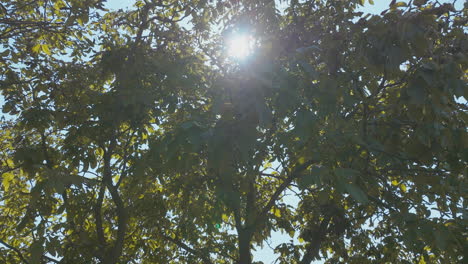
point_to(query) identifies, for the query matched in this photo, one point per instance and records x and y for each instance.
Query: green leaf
(441, 239)
(420, 2)
(311, 177)
(416, 91)
(357, 193)
(399, 4)
(308, 69)
(346, 173)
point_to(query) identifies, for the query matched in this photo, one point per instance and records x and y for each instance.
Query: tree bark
(312, 250)
(245, 239)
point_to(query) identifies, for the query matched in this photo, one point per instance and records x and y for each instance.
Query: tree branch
(116, 250)
(188, 249)
(293, 175)
(313, 247)
(114, 253)
(98, 216)
(20, 255)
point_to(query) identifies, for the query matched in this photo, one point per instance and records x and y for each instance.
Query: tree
(129, 137)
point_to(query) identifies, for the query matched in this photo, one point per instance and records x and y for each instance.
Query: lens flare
(240, 46)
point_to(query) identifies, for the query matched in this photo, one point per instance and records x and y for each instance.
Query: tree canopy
(130, 136)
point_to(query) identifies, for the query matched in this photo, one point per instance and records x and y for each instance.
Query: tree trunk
(244, 247)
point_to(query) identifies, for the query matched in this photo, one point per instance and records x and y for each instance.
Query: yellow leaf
(403, 187)
(448, 224)
(59, 4)
(139, 4)
(277, 212)
(6, 180)
(99, 152)
(36, 48)
(225, 218)
(422, 261)
(45, 49)
(371, 2)
(10, 163)
(395, 183)
(301, 240)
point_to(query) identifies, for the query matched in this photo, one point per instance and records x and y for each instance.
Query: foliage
(129, 137)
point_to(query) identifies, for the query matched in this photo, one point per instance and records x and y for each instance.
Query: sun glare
(240, 46)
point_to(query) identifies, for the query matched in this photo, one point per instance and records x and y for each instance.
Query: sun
(240, 46)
